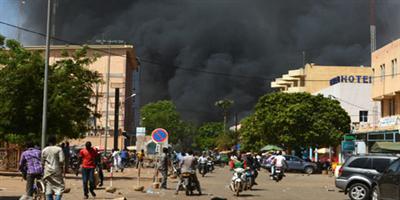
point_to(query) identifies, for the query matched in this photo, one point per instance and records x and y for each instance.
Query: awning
(271, 148)
(386, 147)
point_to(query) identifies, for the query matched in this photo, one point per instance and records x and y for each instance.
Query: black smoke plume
(250, 38)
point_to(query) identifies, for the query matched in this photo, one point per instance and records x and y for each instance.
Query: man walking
(163, 168)
(67, 156)
(88, 156)
(30, 165)
(53, 162)
(140, 158)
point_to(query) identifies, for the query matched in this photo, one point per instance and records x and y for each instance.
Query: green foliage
(208, 133)
(295, 120)
(21, 93)
(163, 114)
(224, 104)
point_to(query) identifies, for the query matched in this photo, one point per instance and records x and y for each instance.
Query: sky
(8, 13)
(207, 50)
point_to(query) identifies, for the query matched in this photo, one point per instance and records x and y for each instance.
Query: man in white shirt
(53, 162)
(278, 162)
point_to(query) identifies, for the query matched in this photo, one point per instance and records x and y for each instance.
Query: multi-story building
(386, 91)
(313, 78)
(350, 85)
(123, 64)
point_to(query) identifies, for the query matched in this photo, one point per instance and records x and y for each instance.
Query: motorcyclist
(278, 161)
(253, 165)
(188, 164)
(203, 161)
(236, 162)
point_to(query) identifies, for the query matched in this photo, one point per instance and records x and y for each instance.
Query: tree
(296, 120)
(208, 134)
(224, 105)
(163, 114)
(21, 93)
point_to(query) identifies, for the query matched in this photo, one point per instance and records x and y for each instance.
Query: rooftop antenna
(372, 26)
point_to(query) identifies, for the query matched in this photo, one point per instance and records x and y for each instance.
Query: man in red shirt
(88, 156)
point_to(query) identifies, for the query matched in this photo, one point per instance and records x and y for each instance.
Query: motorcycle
(210, 166)
(203, 169)
(278, 174)
(239, 181)
(189, 183)
(74, 164)
(176, 171)
(250, 178)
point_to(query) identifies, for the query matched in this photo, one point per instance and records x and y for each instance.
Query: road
(294, 186)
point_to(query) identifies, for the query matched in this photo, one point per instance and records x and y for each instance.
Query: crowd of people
(52, 163)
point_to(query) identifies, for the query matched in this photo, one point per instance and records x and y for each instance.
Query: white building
(355, 99)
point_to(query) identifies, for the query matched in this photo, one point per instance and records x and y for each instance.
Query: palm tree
(224, 105)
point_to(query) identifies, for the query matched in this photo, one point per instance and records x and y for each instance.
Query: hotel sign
(351, 79)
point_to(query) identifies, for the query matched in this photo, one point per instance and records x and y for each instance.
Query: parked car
(294, 163)
(387, 185)
(356, 176)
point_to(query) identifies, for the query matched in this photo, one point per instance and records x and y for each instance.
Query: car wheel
(375, 193)
(359, 191)
(309, 170)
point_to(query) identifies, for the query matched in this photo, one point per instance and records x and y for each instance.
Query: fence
(9, 158)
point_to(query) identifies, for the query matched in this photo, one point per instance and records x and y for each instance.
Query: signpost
(159, 135)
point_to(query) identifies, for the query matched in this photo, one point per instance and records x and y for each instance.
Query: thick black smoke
(253, 38)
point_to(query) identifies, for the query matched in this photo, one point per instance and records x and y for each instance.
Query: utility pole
(95, 109)
(53, 17)
(46, 71)
(372, 29)
(304, 58)
(116, 118)
(21, 7)
(107, 95)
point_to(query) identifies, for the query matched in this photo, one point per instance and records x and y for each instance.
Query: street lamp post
(46, 69)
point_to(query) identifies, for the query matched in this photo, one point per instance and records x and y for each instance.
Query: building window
(302, 82)
(383, 72)
(363, 116)
(394, 67)
(392, 107)
(373, 75)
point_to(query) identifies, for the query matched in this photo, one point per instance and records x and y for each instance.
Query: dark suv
(387, 185)
(356, 175)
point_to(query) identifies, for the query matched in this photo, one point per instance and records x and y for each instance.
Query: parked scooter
(189, 183)
(239, 181)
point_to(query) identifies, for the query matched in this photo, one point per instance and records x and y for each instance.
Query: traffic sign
(159, 135)
(349, 137)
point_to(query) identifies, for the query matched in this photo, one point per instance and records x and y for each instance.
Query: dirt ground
(294, 186)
